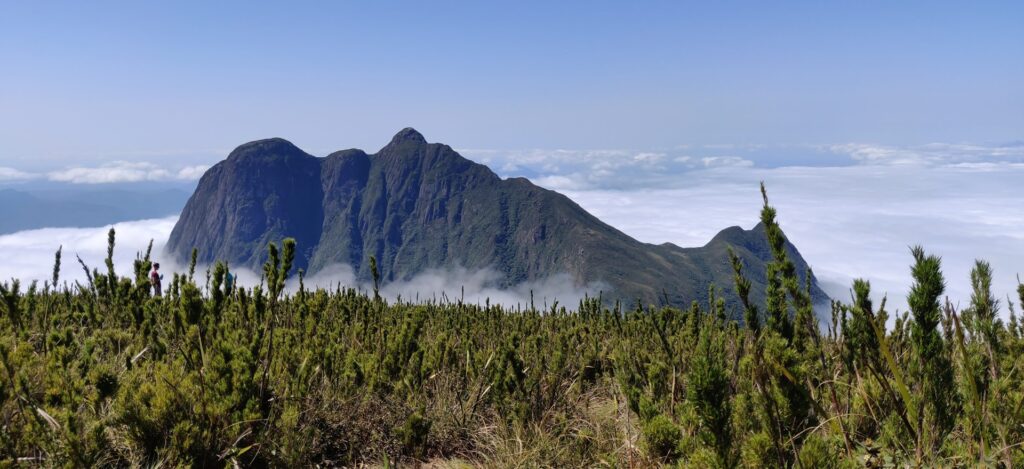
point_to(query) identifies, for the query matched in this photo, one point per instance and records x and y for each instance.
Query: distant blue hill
(73, 206)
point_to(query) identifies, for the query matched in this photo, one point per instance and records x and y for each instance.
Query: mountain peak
(407, 134)
(265, 147)
(267, 143)
(416, 207)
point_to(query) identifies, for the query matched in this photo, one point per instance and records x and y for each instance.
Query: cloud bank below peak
(852, 209)
(848, 222)
(933, 154)
(626, 169)
(108, 173)
(31, 258)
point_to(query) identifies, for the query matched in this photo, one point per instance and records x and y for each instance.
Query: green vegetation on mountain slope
(103, 374)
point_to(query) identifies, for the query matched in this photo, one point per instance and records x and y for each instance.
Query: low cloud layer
(31, 257)
(470, 286)
(633, 169)
(11, 174)
(932, 154)
(114, 172)
(848, 222)
(852, 209)
(125, 171)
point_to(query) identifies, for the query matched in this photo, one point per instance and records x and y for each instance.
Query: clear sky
(88, 82)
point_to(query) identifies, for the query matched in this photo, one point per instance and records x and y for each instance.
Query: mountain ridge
(416, 205)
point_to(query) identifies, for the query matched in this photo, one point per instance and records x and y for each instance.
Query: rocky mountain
(416, 205)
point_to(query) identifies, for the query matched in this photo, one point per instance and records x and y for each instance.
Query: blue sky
(92, 82)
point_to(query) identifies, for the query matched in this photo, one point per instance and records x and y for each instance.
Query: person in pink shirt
(154, 278)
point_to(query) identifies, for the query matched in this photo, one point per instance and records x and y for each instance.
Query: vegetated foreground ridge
(104, 374)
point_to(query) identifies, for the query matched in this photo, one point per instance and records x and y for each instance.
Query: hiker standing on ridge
(154, 278)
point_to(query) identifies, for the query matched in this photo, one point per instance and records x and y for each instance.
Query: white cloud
(192, 173)
(735, 146)
(31, 255)
(631, 169)
(649, 158)
(930, 154)
(576, 169)
(479, 286)
(11, 174)
(119, 171)
(558, 183)
(114, 172)
(725, 162)
(873, 154)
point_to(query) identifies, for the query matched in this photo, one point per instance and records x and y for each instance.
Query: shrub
(414, 434)
(817, 452)
(105, 380)
(663, 438)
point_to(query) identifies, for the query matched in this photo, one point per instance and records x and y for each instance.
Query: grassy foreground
(103, 374)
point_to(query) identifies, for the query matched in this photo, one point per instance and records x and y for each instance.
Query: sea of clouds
(855, 215)
(853, 210)
(30, 255)
(852, 222)
(118, 171)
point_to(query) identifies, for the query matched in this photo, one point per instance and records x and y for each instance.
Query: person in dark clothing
(154, 278)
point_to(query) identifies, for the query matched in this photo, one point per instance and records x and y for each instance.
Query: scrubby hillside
(104, 374)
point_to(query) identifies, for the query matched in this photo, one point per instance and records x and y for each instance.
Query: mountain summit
(408, 134)
(416, 206)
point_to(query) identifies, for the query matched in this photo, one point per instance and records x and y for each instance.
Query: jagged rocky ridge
(416, 206)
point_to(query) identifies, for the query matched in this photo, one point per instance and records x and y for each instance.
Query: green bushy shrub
(662, 438)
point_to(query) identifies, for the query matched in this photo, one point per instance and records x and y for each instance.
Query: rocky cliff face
(416, 205)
